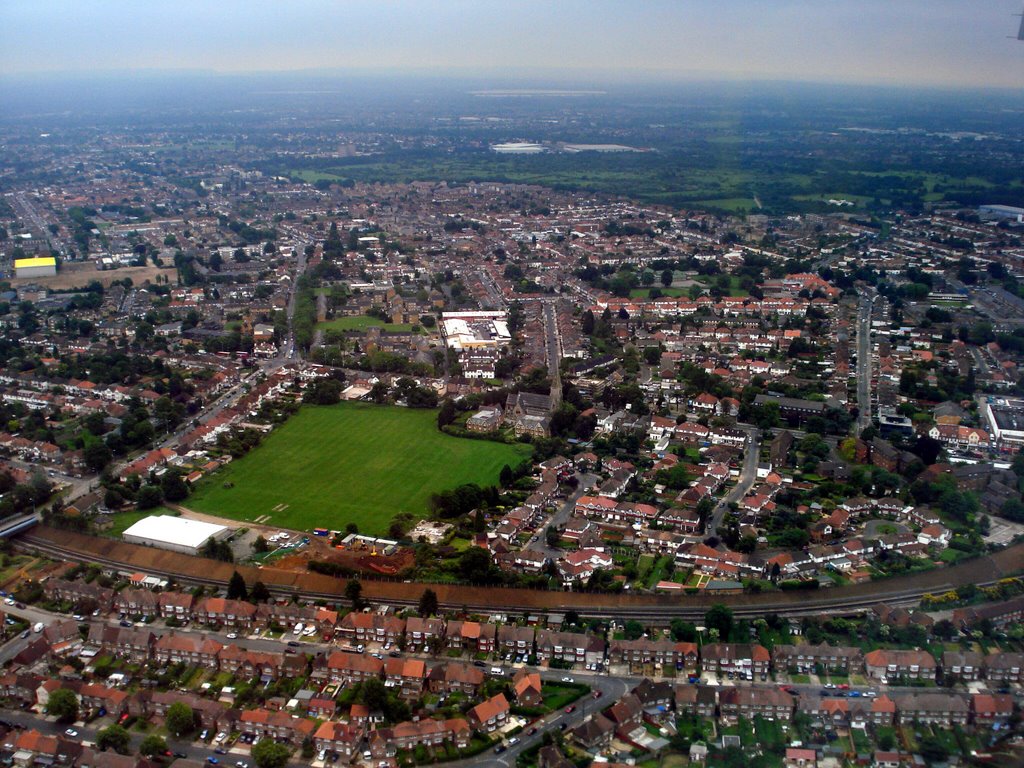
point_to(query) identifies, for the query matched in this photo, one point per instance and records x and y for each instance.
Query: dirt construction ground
(80, 274)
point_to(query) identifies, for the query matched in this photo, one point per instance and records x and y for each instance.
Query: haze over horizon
(945, 43)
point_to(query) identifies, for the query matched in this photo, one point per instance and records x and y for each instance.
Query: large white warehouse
(37, 266)
(174, 533)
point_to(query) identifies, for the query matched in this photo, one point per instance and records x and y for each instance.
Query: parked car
(570, 709)
(568, 679)
(71, 732)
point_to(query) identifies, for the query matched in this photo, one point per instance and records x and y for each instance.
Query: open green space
(361, 323)
(645, 293)
(350, 463)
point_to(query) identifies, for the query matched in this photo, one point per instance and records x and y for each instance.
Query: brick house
(942, 709)
(570, 647)
(769, 703)
(962, 665)
(515, 640)
(803, 658)
(647, 651)
(188, 649)
(421, 634)
(739, 658)
(342, 666)
(490, 715)
(343, 738)
(175, 605)
(137, 602)
(228, 613)
(1004, 667)
(405, 675)
(456, 677)
(471, 636)
(891, 664)
(526, 687)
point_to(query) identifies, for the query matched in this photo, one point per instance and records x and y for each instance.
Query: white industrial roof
(174, 530)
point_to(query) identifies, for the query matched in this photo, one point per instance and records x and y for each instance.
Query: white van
(498, 671)
(39, 627)
(298, 629)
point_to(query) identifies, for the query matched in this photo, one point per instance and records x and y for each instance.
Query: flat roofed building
(174, 533)
(39, 266)
(475, 330)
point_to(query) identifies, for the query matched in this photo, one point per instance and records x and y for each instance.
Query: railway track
(183, 569)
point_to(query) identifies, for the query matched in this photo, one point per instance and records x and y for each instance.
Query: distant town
(306, 468)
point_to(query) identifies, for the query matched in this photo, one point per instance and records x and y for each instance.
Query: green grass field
(361, 323)
(350, 463)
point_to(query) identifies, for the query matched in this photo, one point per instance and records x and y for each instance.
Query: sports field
(350, 463)
(361, 323)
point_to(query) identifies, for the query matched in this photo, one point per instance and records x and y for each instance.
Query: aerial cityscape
(382, 387)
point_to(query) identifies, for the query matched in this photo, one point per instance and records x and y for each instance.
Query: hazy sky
(896, 42)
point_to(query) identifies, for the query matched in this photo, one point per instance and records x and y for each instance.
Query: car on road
(513, 741)
(181, 755)
(568, 679)
(598, 694)
(479, 663)
(570, 709)
(125, 623)
(25, 634)
(232, 635)
(293, 643)
(220, 751)
(71, 732)
(499, 749)
(9, 601)
(242, 764)
(562, 726)
(532, 731)
(20, 605)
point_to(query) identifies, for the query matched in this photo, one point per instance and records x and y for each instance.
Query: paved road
(748, 474)
(864, 362)
(562, 515)
(87, 734)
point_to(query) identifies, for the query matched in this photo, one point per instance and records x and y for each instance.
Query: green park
(360, 463)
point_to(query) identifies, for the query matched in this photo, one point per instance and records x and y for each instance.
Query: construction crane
(1020, 32)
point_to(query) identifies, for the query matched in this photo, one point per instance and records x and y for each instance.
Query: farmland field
(349, 463)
